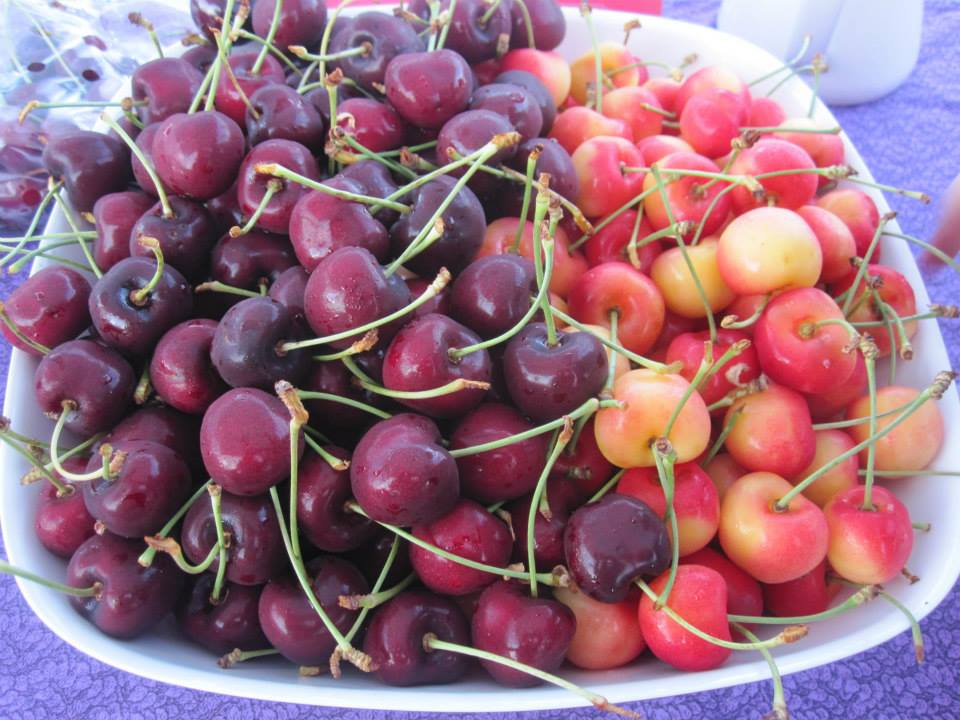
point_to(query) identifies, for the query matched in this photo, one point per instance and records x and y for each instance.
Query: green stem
(68, 406)
(732, 322)
(273, 49)
(863, 595)
(285, 173)
(217, 286)
(92, 591)
(862, 268)
(343, 400)
(140, 297)
(68, 215)
(214, 491)
(444, 31)
(273, 187)
(215, 68)
(52, 189)
(587, 14)
(375, 590)
(268, 41)
(381, 158)
(62, 489)
(869, 358)
(538, 495)
(527, 192)
(607, 486)
(665, 458)
(147, 164)
(527, 22)
(146, 558)
(722, 437)
(19, 334)
(779, 709)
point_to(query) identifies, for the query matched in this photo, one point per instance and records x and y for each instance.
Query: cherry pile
(398, 340)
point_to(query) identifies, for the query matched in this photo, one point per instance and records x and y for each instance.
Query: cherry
(744, 594)
(321, 223)
(440, 303)
(228, 99)
(250, 259)
(858, 212)
(181, 371)
(62, 522)
(167, 85)
(376, 181)
(292, 625)
(428, 88)
(824, 148)
(830, 444)
(613, 56)
(288, 289)
(136, 302)
(301, 22)
(771, 155)
(676, 282)
(836, 242)
(387, 35)
(475, 26)
(371, 557)
(255, 553)
(637, 106)
(95, 379)
(131, 599)
(467, 531)
(225, 210)
(322, 492)
(806, 595)
(724, 471)
(250, 457)
(207, 15)
(185, 238)
(347, 289)
(549, 67)
(90, 164)
(514, 102)
(48, 308)
(506, 472)
(198, 155)
(334, 379)
(688, 348)
(394, 640)
(711, 120)
(688, 196)
(284, 114)
(563, 496)
(549, 24)
(534, 631)
(201, 57)
(608, 634)
(656, 147)
(152, 482)
(374, 124)
(246, 343)
(115, 215)
(610, 543)
(583, 463)
(712, 76)
(577, 124)
(145, 143)
(666, 89)
(401, 474)
(463, 221)
(604, 187)
(466, 133)
(533, 91)
(164, 426)
(549, 380)
(232, 623)
(418, 358)
(913, 444)
(894, 290)
(699, 596)
(766, 112)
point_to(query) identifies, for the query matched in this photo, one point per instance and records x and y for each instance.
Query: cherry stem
(531, 167)
(68, 406)
(125, 104)
(722, 437)
(538, 223)
(52, 188)
(732, 322)
(612, 356)
(587, 13)
(538, 496)
(325, 38)
(449, 388)
(301, 52)
(377, 597)
(271, 48)
(779, 709)
(912, 473)
(41, 251)
(217, 286)
(588, 408)
(338, 134)
(421, 180)
(545, 578)
(834, 130)
(357, 658)
(298, 418)
(147, 164)
(221, 57)
(865, 263)
(62, 489)
(273, 187)
(92, 591)
(285, 173)
(146, 558)
(819, 67)
(432, 290)
(5, 429)
(935, 391)
(916, 633)
(864, 594)
(794, 71)
(338, 464)
(71, 221)
(804, 46)
(350, 402)
(172, 548)
(238, 656)
(445, 30)
(136, 18)
(375, 591)
(788, 635)
(527, 22)
(932, 249)
(141, 296)
(636, 200)
(82, 447)
(633, 245)
(364, 344)
(665, 457)
(19, 334)
(268, 41)
(607, 486)
(870, 360)
(434, 233)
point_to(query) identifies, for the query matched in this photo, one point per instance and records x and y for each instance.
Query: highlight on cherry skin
(423, 349)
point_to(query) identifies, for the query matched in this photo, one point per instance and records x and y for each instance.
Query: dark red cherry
(185, 238)
(394, 640)
(401, 474)
(292, 625)
(583, 463)
(132, 599)
(252, 186)
(98, 379)
(133, 324)
(376, 181)
(181, 371)
(439, 303)
(288, 290)
(201, 57)
(466, 133)
(90, 164)
(49, 307)
(256, 551)
(197, 156)
(230, 624)
(162, 425)
(348, 289)
(249, 457)
(247, 260)
(513, 102)
(225, 210)
(612, 542)
(246, 345)
(534, 631)
(553, 160)
(546, 381)
(284, 114)
(562, 497)
(418, 359)
(321, 223)
(228, 100)
(533, 85)
(374, 124)
(469, 35)
(549, 25)
(429, 88)
(145, 143)
(62, 523)
(115, 215)
(301, 22)
(151, 485)
(168, 85)
(464, 224)
(468, 531)
(334, 379)
(493, 293)
(321, 495)
(506, 472)
(388, 37)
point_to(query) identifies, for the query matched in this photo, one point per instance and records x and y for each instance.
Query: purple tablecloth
(908, 139)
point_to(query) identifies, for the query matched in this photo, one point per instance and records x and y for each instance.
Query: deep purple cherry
(468, 132)
(145, 143)
(225, 209)
(197, 156)
(374, 124)
(376, 181)
(301, 22)
(252, 186)
(513, 102)
(549, 25)
(387, 35)
(562, 497)
(493, 293)
(394, 640)
(284, 114)
(289, 289)
(49, 308)
(201, 57)
(114, 217)
(553, 160)
(247, 260)
(533, 85)
(168, 85)
(321, 495)
(90, 164)
(132, 599)
(429, 88)
(233, 623)
(228, 99)
(334, 379)
(185, 238)
(439, 303)
(371, 557)
(162, 425)
(181, 370)
(475, 27)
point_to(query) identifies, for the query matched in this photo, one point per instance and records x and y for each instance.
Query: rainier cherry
(913, 444)
(830, 444)
(608, 634)
(689, 197)
(677, 284)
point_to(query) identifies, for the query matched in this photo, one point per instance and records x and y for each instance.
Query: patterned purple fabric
(908, 139)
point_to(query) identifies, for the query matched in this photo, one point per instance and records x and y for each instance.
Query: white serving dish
(164, 656)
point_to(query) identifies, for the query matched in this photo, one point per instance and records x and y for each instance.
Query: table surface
(908, 140)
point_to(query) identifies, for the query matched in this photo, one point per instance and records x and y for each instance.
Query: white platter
(164, 656)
